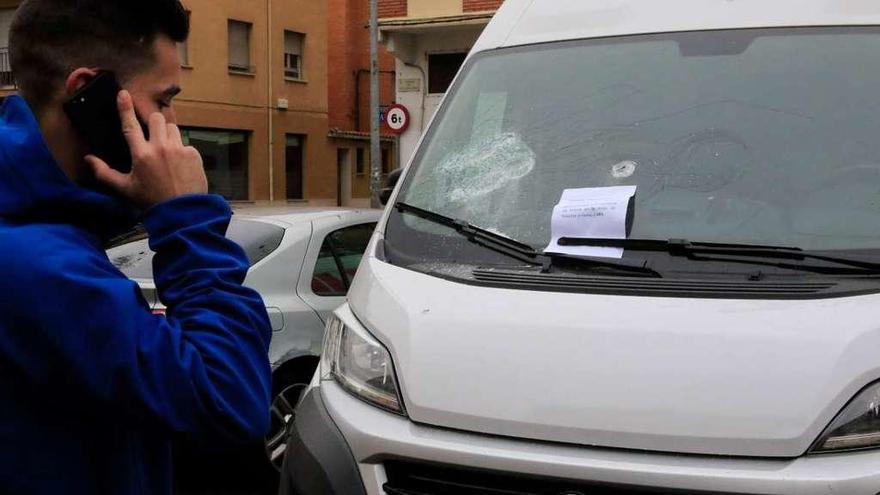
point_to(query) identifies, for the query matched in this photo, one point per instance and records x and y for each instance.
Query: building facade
(255, 98)
(429, 40)
(348, 58)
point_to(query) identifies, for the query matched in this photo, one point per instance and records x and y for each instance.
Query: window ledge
(244, 73)
(295, 80)
(187, 66)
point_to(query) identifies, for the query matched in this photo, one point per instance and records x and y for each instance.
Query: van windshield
(767, 137)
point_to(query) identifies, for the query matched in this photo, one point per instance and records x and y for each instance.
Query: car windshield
(258, 239)
(767, 136)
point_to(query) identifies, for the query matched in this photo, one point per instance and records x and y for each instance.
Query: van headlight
(361, 365)
(857, 427)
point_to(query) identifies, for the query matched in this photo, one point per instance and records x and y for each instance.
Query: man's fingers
(107, 176)
(158, 129)
(174, 136)
(130, 125)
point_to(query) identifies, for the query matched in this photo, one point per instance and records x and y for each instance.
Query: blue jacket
(92, 385)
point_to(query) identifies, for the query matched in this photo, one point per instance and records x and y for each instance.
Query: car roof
(296, 215)
(524, 22)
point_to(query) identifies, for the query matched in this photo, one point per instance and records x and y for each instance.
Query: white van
(638, 250)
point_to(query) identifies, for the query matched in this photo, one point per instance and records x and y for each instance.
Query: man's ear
(77, 79)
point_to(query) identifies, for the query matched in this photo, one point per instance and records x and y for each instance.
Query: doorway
(343, 181)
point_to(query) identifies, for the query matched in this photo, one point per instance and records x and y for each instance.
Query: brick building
(254, 97)
(429, 39)
(348, 57)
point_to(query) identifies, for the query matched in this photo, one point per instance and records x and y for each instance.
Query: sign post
(375, 145)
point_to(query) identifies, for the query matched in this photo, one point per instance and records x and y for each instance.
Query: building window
(360, 162)
(6, 78)
(293, 55)
(6, 16)
(225, 155)
(183, 53)
(442, 68)
(240, 46)
(183, 47)
(386, 161)
(294, 160)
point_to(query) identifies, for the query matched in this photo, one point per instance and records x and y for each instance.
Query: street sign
(409, 85)
(397, 119)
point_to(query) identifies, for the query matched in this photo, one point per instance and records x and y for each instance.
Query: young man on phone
(92, 385)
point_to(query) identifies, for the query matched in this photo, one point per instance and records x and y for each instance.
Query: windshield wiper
(705, 251)
(516, 249)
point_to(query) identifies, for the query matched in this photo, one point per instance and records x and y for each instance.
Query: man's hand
(162, 168)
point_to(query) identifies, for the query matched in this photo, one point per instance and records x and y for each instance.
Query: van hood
(698, 376)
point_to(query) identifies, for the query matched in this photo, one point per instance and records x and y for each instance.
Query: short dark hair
(51, 38)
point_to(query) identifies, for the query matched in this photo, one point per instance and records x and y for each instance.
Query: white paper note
(598, 212)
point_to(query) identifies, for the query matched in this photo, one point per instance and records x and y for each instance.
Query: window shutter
(293, 43)
(6, 16)
(239, 45)
(293, 49)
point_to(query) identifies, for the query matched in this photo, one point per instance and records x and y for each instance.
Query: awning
(358, 135)
(404, 25)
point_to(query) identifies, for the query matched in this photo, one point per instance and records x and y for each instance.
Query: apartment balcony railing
(6, 78)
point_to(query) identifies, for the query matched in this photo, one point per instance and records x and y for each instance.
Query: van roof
(524, 22)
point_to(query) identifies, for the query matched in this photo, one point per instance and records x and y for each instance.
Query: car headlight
(857, 427)
(361, 365)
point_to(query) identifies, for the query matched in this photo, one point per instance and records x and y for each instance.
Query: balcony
(6, 79)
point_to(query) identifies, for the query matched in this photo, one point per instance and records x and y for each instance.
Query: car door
(334, 254)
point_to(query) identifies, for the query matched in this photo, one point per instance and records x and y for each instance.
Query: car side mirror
(390, 183)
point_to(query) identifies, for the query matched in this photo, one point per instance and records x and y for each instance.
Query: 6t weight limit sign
(397, 119)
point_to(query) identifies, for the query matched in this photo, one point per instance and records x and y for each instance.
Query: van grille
(405, 478)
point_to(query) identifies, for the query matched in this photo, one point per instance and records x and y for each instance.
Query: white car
(302, 263)
(637, 251)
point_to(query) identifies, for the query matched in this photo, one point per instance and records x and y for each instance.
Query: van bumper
(318, 460)
(393, 453)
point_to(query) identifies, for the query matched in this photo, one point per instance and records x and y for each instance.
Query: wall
(481, 5)
(349, 64)
(308, 100)
(214, 97)
(421, 106)
(433, 8)
(349, 83)
(392, 8)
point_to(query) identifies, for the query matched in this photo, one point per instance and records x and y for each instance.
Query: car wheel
(283, 413)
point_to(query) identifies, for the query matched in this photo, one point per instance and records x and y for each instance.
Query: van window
(753, 136)
(339, 259)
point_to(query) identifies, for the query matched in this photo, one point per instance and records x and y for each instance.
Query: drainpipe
(357, 92)
(271, 127)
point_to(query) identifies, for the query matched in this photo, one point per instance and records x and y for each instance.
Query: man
(92, 385)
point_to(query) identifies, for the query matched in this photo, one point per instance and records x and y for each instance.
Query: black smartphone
(94, 113)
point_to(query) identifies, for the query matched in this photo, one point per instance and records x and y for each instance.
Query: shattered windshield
(752, 136)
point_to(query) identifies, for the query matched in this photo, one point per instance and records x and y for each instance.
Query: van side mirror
(390, 183)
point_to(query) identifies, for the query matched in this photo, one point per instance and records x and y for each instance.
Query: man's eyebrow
(172, 91)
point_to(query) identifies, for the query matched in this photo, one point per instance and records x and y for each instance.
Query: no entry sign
(397, 119)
